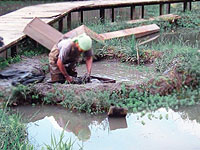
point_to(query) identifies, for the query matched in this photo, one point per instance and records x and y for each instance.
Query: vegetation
(13, 132)
(26, 49)
(14, 136)
(60, 144)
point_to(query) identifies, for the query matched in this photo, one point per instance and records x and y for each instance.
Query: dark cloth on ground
(22, 77)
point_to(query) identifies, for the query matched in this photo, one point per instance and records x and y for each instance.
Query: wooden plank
(80, 16)
(42, 33)
(60, 25)
(168, 8)
(83, 29)
(102, 15)
(167, 17)
(133, 12)
(14, 51)
(190, 5)
(112, 14)
(161, 9)
(69, 21)
(185, 5)
(142, 13)
(138, 32)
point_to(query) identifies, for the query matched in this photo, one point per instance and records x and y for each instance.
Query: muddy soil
(113, 69)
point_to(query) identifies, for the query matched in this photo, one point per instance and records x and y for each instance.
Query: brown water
(166, 130)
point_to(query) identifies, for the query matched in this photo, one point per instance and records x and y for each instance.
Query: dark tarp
(22, 77)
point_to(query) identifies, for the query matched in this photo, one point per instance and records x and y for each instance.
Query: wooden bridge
(13, 24)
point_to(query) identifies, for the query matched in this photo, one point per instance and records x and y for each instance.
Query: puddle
(162, 129)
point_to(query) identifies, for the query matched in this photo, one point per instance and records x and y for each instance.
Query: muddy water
(162, 129)
(119, 71)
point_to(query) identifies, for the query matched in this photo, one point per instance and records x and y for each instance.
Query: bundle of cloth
(22, 77)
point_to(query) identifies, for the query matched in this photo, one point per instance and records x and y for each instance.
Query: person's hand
(69, 79)
(86, 78)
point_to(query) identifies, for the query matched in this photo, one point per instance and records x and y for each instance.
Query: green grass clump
(6, 62)
(135, 101)
(13, 132)
(184, 57)
(60, 144)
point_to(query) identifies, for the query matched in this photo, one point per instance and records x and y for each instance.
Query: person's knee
(1, 41)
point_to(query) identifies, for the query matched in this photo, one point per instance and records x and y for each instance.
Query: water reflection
(60, 118)
(159, 130)
(117, 123)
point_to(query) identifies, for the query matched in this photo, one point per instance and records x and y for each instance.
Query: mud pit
(113, 69)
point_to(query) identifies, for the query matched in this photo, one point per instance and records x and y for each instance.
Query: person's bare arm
(89, 61)
(63, 70)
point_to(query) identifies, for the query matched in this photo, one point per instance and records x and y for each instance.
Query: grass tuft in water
(60, 144)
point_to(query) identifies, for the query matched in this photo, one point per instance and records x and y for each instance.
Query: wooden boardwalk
(13, 24)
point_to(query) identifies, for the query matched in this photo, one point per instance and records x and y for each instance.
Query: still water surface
(163, 129)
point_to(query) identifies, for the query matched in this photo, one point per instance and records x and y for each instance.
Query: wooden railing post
(142, 16)
(168, 8)
(35, 43)
(133, 11)
(102, 15)
(190, 5)
(161, 9)
(60, 25)
(184, 5)
(80, 16)
(69, 21)
(113, 14)
(14, 51)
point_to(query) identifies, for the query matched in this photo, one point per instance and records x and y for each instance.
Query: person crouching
(65, 55)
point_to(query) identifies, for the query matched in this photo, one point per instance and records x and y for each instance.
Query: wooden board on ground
(137, 32)
(48, 36)
(167, 17)
(42, 33)
(83, 29)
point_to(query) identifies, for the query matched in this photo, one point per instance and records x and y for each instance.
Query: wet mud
(30, 69)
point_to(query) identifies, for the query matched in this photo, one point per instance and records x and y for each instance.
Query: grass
(13, 132)
(60, 144)
(184, 56)
(99, 102)
(14, 136)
